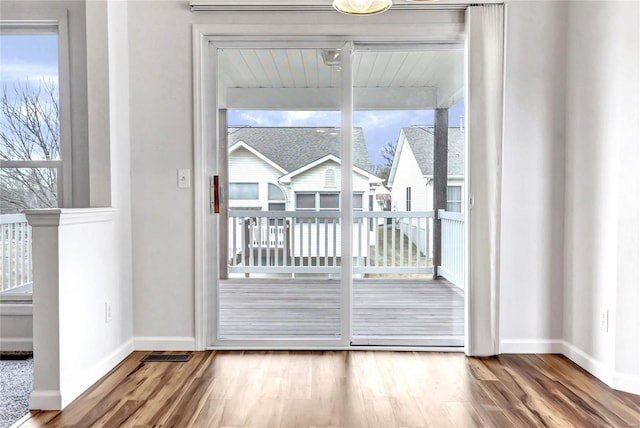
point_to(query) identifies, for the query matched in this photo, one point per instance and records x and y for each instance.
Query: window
(277, 201)
(408, 199)
(454, 199)
(323, 201)
(329, 201)
(30, 150)
(357, 202)
(244, 191)
(306, 201)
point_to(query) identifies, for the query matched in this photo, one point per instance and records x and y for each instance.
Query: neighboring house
(411, 176)
(295, 169)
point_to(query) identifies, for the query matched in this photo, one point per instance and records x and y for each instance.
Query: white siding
(408, 174)
(245, 167)
(313, 180)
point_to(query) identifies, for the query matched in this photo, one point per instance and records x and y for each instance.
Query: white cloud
(18, 71)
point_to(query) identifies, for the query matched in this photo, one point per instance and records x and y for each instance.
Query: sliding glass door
(280, 280)
(399, 295)
(329, 233)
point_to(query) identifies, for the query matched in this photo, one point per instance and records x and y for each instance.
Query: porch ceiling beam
(329, 98)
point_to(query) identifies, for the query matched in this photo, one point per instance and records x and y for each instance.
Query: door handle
(215, 194)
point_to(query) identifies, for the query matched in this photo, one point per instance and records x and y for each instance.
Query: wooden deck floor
(348, 389)
(385, 311)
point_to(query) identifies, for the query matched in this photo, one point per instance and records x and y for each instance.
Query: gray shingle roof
(292, 148)
(420, 140)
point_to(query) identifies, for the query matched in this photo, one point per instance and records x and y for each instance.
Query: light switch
(184, 178)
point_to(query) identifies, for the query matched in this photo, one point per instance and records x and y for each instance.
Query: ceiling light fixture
(332, 57)
(361, 7)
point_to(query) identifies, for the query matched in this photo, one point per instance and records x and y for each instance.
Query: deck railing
(291, 242)
(15, 252)
(452, 267)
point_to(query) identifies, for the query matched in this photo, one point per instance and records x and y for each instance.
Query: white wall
(121, 294)
(543, 249)
(533, 177)
(160, 72)
(602, 187)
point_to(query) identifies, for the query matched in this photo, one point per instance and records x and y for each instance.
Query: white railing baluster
(270, 243)
(334, 222)
(317, 246)
(326, 242)
(386, 242)
(15, 252)
(376, 239)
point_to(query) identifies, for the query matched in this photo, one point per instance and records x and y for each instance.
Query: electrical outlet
(604, 319)
(107, 311)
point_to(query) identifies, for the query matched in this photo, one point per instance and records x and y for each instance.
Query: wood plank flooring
(350, 389)
(310, 308)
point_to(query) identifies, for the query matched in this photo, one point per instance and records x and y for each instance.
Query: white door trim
(415, 26)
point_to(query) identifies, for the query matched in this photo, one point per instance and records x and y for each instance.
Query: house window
(329, 201)
(244, 191)
(408, 199)
(330, 177)
(306, 201)
(277, 201)
(30, 143)
(318, 201)
(454, 199)
(357, 202)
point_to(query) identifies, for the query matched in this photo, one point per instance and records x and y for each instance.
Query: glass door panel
(282, 218)
(400, 98)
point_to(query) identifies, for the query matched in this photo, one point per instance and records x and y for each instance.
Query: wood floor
(409, 312)
(352, 389)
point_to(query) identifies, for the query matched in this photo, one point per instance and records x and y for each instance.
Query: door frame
(444, 27)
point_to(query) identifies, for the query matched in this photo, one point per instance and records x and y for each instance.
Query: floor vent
(167, 358)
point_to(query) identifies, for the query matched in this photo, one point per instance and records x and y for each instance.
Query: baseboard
(16, 309)
(16, 344)
(86, 379)
(531, 346)
(627, 383)
(164, 343)
(45, 400)
(589, 363)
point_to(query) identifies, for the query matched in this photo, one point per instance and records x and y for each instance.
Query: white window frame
(63, 166)
(454, 201)
(276, 201)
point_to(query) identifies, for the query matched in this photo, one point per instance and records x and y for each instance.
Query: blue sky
(28, 56)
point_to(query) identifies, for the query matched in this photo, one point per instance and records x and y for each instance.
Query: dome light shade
(361, 7)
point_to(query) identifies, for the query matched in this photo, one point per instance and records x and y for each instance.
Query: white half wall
(77, 339)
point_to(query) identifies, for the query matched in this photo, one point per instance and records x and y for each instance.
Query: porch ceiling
(299, 79)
